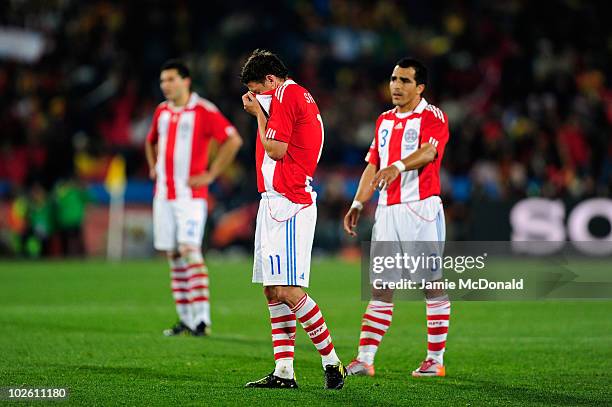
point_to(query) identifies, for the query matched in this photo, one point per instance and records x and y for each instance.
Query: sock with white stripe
(180, 289)
(283, 325)
(374, 326)
(308, 313)
(198, 288)
(438, 317)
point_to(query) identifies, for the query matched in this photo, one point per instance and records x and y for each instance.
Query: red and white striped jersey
(294, 119)
(182, 136)
(400, 134)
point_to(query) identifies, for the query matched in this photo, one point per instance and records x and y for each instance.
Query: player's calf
(198, 286)
(180, 292)
(374, 325)
(308, 313)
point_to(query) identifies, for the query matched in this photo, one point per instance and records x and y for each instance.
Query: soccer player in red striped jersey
(288, 147)
(177, 153)
(404, 164)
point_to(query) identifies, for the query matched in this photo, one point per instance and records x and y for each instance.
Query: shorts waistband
(431, 197)
(270, 195)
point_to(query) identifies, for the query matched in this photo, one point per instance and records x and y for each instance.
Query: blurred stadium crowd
(528, 96)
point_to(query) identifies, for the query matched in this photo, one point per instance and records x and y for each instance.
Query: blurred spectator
(17, 222)
(70, 202)
(39, 218)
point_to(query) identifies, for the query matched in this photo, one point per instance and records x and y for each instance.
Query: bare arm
(151, 155)
(420, 158)
(225, 156)
(365, 190)
(276, 150)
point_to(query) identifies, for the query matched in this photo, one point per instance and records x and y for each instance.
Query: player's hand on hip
(250, 103)
(384, 177)
(152, 173)
(350, 221)
(200, 180)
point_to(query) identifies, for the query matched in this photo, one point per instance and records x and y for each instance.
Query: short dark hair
(420, 72)
(177, 64)
(262, 63)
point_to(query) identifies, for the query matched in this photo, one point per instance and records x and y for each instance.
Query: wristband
(357, 205)
(399, 165)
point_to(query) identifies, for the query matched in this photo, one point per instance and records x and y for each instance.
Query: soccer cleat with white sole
(359, 368)
(430, 368)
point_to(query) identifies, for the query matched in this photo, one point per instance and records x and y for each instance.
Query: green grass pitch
(96, 328)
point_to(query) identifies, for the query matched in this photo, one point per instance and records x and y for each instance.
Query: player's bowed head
(262, 72)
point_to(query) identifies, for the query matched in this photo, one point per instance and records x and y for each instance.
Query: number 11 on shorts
(272, 263)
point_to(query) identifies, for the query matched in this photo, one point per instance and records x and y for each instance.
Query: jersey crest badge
(410, 137)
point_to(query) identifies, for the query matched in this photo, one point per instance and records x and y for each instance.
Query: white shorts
(415, 228)
(283, 241)
(178, 222)
(420, 221)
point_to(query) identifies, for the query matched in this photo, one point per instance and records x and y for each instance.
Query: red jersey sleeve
(221, 127)
(372, 156)
(218, 125)
(435, 129)
(153, 135)
(283, 111)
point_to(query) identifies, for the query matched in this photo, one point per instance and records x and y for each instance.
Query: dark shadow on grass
(132, 371)
(236, 339)
(66, 328)
(520, 394)
(312, 393)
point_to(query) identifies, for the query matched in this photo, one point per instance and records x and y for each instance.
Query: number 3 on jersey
(383, 135)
